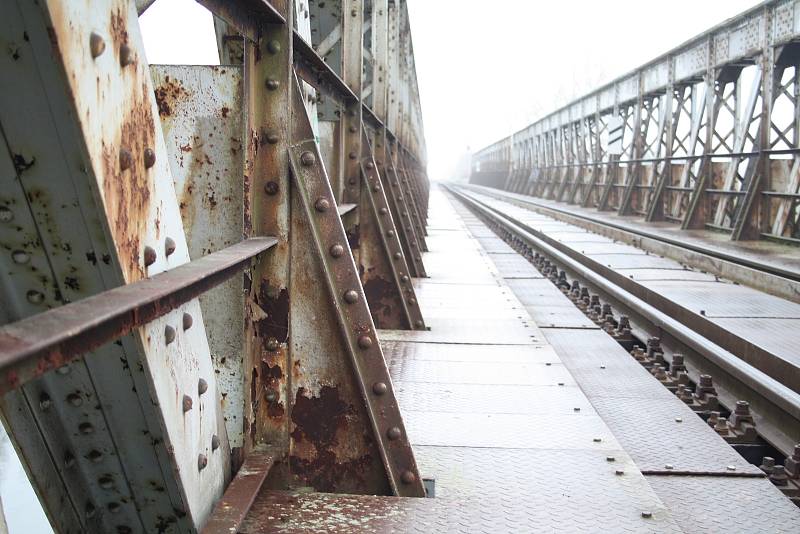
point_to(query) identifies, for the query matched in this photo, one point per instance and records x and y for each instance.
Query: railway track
(717, 343)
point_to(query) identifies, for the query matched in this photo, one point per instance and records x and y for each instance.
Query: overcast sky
(486, 69)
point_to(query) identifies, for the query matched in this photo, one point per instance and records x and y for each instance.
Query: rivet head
(125, 159)
(169, 334)
(390, 233)
(369, 165)
(398, 255)
(419, 323)
(272, 344)
(404, 278)
(337, 251)
(34, 297)
(271, 188)
(95, 456)
(105, 482)
(408, 477)
(393, 433)
(352, 155)
(322, 205)
(125, 55)
(352, 181)
(272, 84)
(351, 296)
(20, 257)
(85, 428)
(96, 45)
(376, 188)
(353, 128)
(187, 403)
(272, 138)
(113, 507)
(214, 442)
(412, 301)
(383, 211)
(307, 158)
(169, 246)
(202, 386)
(379, 388)
(90, 510)
(187, 321)
(149, 158)
(364, 341)
(273, 47)
(149, 256)
(69, 460)
(74, 399)
(202, 462)
(45, 402)
(6, 215)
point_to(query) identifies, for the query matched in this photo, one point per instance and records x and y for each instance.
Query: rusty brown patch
(271, 380)
(167, 94)
(275, 303)
(353, 237)
(380, 295)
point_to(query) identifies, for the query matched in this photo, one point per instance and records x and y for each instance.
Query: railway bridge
(232, 301)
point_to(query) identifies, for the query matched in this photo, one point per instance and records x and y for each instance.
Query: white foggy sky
(488, 68)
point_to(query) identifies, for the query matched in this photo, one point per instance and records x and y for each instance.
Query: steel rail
(755, 379)
(43, 342)
(772, 270)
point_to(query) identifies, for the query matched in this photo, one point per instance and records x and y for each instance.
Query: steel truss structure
(195, 259)
(709, 136)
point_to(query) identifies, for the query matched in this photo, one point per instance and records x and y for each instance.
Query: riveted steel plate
(669, 274)
(494, 354)
(532, 431)
(777, 336)
(650, 432)
(602, 367)
(492, 398)
(717, 505)
(467, 330)
(514, 266)
(719, 299)
(634, 261)
(532, 374)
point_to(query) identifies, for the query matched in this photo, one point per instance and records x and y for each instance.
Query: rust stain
(272, 381)
(167, 94)
(275, 303)
(353, 237)
(381, 295)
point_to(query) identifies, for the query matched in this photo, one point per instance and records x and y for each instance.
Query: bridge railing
(705, 136)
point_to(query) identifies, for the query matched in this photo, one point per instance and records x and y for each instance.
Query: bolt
(169, 334)
(778, 476)
(351, 296)
(273, 47)
(732, 468)
(187, 403)
(307, 158)
(767, 464)
(679, 419)
(272, 84)
(619, 472)
(125, 159)
(169, 246)
(125, 55)
(34, 297)
(214, 442)
(610, 459)
(272, 344)
(364, 341)
(393, 433)
(597, 440)
(668, 466)
(202, 462)
(96, 45)
(187, 321)
(379, 388)
(337, 251)
(149, 158)
(45, 402)
(408, 477)
(271, 188)
(322, 205)
(647, 514)
(149, 256)
(202, 386)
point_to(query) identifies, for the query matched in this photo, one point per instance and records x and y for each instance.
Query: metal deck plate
(669, 274)
(514, 266)
(547, 306)
(495, 245)
(607, 247)
(443, 372)
(634, 261)
(467, 330)
(715, 505)
(778, 336)
(490, 354)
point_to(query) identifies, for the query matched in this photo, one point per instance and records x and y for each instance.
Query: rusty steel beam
(46, 341)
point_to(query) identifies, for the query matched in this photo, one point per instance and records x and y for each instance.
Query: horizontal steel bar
(40, 343)
(232, 508)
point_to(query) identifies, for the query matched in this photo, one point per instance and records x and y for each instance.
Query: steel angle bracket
(388, 286)
(357, 330)
(394, 196)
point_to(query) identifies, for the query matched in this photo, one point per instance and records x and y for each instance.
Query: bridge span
(232, 301)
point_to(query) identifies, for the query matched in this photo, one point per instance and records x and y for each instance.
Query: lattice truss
(197, 258)
(709, 136)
